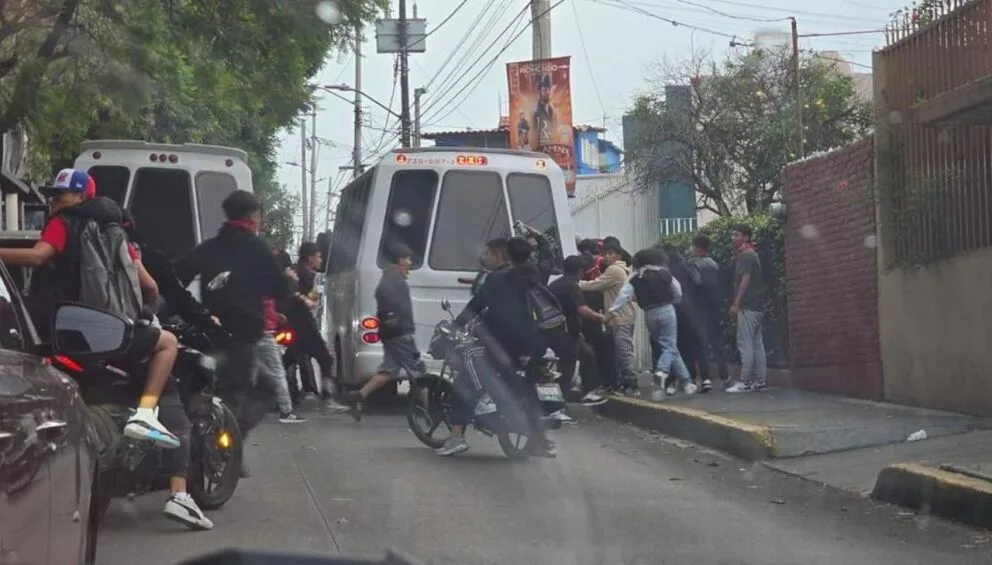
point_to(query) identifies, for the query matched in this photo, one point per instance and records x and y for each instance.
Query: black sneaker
(706, 386)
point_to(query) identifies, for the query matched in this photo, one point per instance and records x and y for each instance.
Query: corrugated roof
(450, 133)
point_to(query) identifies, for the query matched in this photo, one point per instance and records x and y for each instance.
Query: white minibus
(172, 191)
(445, 203)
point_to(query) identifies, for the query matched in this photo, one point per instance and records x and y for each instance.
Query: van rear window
(111, 181)
(532, 203)
(408, 213)
(211, 189)
(162, 206)
(471, 211)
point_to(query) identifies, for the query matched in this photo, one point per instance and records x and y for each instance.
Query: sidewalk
(845, 443)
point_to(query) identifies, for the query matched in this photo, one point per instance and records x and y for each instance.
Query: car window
(211, 190)
(532, 203)
(408, 213)
(471, 211)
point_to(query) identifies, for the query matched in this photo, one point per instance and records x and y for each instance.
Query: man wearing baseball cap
(54, 257)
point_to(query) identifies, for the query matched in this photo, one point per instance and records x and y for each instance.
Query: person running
(56, 258)
(394, 308)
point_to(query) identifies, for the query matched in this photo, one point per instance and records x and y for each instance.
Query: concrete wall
(604, 205)
(936, 333)
(832, 274)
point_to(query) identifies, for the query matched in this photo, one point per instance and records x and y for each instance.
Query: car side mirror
(82, 331)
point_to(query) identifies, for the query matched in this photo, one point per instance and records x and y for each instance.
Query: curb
(940, 493)
(751, 442)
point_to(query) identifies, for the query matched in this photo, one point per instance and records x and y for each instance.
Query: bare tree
(727, 129)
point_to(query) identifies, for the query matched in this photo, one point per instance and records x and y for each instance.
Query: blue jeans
(663, 327)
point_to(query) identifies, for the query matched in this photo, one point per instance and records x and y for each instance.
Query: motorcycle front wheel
(428, 406)
(217, 455)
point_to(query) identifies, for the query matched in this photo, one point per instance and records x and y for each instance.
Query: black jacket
(240, 267)
(393, 304)
(502, 302)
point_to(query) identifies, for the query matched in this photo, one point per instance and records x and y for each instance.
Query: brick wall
(831, 274)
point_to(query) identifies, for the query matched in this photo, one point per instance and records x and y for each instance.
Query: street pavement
(614, 496)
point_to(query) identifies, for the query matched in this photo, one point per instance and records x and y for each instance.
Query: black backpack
(544, 308)
(108, 277)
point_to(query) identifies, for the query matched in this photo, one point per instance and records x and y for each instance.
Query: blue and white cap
(69, 181)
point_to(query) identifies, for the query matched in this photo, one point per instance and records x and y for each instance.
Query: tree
(224, 72)
(738, 129)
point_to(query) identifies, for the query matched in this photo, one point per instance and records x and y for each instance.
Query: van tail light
(66, 363)
(285, 337)
(370, 330)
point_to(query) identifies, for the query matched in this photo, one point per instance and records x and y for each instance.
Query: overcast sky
(614, 45)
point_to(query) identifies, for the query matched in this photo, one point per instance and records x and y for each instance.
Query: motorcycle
(299, 367)
(498, 412)
(127, 467)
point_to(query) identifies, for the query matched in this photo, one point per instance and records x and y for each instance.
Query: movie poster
(541, 111)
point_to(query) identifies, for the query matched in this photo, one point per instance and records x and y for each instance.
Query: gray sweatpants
(751, 343)
(268, 365)
(626, 356)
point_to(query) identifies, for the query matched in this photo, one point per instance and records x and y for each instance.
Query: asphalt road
(614, 496)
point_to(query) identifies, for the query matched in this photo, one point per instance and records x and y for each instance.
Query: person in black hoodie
(692, 339)
(238, 274)
(511, 335)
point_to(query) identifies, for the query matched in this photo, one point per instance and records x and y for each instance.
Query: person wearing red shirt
(71, 208)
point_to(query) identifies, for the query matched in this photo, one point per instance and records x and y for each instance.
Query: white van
(172, 191)
(444, 203)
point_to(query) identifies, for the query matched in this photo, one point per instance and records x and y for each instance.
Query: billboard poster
(541, 111)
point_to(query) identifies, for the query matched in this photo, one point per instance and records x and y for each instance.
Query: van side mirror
(81, 331)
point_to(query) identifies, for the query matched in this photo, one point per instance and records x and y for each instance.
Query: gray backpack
(108, 276)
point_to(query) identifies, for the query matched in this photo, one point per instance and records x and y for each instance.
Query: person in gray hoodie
(394, 308)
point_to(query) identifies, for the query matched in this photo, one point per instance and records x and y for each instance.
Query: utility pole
(404, 78)
(540, 15)
(416, 115)
(312, 201)
(327, 208)
(356, 152)
(303, 174)
(799, 96)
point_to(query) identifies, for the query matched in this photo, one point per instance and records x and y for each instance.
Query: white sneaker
(660, 378)
(144, 426)
(657, 394)
(593, 398)
(738, 388)
(670, 390)
(183, 509)
(689, 388)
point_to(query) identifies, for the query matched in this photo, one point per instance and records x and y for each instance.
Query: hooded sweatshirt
(237, 274)
(610, 283)
(502, 301)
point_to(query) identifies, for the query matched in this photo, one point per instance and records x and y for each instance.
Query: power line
(732, 16)
(451, 81)
(458, 46)
(516, 20)
(440, 97)
(792, 12)
(585, 54)
(630, 6)
(446, 20)
(843, 33)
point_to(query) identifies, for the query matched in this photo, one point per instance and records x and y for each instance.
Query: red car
(48, 449)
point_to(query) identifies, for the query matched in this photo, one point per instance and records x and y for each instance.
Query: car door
(25, 508)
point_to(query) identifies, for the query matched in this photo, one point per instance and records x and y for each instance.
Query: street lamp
(346, 88)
